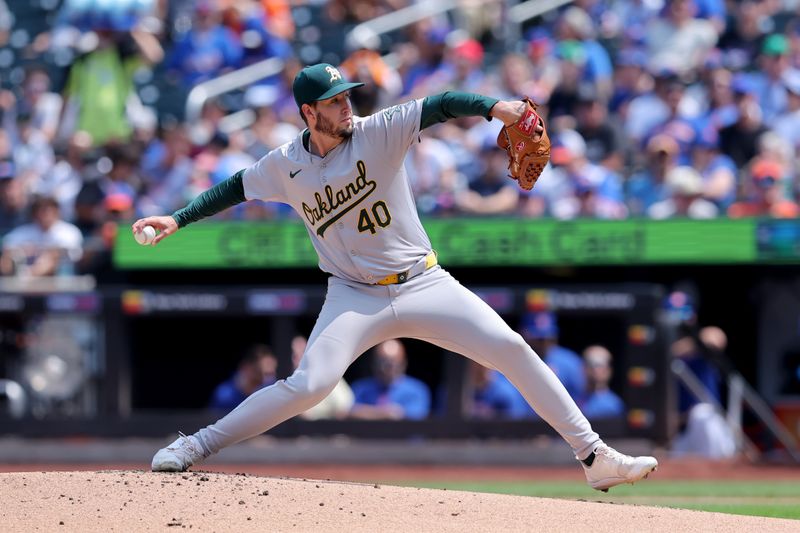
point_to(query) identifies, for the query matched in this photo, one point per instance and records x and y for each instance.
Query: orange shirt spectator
(768, 196)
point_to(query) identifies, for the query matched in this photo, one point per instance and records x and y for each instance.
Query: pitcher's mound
(143, 501)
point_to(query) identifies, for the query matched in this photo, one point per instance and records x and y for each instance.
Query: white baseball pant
(433, 307)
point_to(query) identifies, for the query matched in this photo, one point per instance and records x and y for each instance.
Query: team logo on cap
(334, 72)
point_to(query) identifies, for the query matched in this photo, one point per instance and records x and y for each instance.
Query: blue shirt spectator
(648, 186)
(695, 347)
(788, 124)
(602, 404)
(390, 394)
(205, 51)
(492, 396)
(256, 370)
(227, 395)
(768, 81)
(540, 330)
(599, 401)
(410, 394)
(576, 24)
(568, 366)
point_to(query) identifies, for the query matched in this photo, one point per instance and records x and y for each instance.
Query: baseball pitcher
(344, 176)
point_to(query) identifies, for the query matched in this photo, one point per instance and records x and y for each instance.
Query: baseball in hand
(145, 236)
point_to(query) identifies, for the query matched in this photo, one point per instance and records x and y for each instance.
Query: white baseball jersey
(356, 201)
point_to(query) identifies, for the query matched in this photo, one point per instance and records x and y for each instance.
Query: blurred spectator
(97, 258)
(434, 178)
(769, 79)
(545, 73)
(713, 97)
(256, 30)
(100, 83)
(278, 18)
(629, 82)
(337, 404)
(679, 41)
(767, 194)
(576, 25)
(166, 169)
(383, 84)
(704, 431)
(603, 138)
(66, 178)
(743, 37)
(12, 199)
(564, 98)
(540, 331)
(695, 346)
(718, 171)
(675, 123)
(714, 11)
(232, 157)
(648, 186)
(37, 105)
(787, 125)
(123, 175)
(513, 78)
(587, 190)
(342, 11)
(599, 401)
(268, 132)
(390, 394)
(256, 370)
(466, 60)
(428, 72)
(492, 193)
(646, 113)
(206, 50)
(739, 140)
(686, 197)
(33, 154)
(773, 147)
(89, 208)
(632, 17)
(490, 395)
(47, 246)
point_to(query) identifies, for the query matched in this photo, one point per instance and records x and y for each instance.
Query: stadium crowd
(657, 108)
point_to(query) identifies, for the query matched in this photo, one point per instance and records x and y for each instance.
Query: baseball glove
(528, 150)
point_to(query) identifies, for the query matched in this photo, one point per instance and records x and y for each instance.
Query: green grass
(777, 499)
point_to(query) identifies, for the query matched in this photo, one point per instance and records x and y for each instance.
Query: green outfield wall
(465, 242)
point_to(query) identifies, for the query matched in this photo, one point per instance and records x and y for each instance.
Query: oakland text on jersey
(334, 201)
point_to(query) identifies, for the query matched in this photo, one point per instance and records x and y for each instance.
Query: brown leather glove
(528, 149)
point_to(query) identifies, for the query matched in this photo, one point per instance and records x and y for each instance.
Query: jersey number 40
(381, 215)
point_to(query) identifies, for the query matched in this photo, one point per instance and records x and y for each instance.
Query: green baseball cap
(319, 82)
(775, 45)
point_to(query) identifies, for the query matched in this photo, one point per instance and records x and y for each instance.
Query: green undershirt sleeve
(453, 104)
(216, 199)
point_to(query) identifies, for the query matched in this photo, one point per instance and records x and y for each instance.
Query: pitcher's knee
(311, 388)
(510, 349)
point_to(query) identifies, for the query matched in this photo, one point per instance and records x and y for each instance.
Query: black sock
(589, 460)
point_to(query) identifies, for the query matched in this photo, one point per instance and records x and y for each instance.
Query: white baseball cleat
(178, 456)
(611, 468)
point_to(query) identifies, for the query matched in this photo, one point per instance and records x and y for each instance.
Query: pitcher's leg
(350, 323)
(448, 315)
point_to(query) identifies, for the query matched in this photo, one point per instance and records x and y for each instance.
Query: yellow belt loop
(431, 261)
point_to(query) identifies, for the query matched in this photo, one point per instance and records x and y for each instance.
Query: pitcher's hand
(164, 225)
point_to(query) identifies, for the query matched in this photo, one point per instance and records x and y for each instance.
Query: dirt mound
(203, 501)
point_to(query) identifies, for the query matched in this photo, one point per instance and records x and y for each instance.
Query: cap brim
(333, 91)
